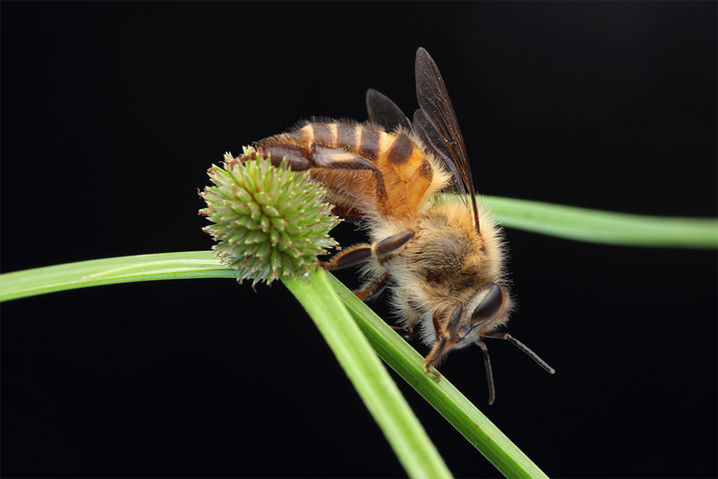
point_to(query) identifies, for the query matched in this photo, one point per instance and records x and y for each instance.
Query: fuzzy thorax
(447, 260)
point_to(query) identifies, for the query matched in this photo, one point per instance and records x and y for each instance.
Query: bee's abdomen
(400, 167)
(361, 140)
(366, 141)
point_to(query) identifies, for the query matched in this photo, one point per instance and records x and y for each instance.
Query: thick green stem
(371, 380)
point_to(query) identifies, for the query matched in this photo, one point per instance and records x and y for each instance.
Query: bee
(442, 256)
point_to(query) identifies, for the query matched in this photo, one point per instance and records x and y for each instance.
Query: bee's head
(471, 323)
(485, 312)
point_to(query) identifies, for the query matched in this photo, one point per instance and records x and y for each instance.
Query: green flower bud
(268, 221)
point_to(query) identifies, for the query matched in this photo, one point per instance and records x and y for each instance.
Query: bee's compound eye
(490, 305)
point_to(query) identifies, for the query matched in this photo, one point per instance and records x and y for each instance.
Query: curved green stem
(598, 226)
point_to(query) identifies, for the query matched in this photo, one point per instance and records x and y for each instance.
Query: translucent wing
(436, 124)
(384, 112)
(431, 138)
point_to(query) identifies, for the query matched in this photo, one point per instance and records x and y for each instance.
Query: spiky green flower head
(268, 221)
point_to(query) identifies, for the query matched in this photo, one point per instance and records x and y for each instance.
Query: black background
(111, 113)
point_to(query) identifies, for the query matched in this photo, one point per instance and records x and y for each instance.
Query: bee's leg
(350, 256)
(321, 157)
(348, 214)
(359, 253)
(373, 289)
(406, 333)
(443, 338)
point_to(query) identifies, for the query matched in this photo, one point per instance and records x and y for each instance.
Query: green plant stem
(596, 226)
(124, 269)
(442, 395)
(371, 380)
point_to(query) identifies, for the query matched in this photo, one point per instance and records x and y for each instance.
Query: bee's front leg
(374, 288)
(407, 332)
(445, 336)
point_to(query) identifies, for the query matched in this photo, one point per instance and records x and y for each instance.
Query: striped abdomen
(364, 168)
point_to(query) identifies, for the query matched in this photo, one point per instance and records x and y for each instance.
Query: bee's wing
(436, 124)
(384, 112)
(431, 138)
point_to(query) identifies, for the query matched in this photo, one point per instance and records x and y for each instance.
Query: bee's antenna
(489, 372)
(523, 348)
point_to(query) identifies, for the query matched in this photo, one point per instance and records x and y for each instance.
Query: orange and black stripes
(346, 134)
(368, 143)
(363, 140)
(402, 150)
(401, 171)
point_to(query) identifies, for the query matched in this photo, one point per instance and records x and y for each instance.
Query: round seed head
(268, 221)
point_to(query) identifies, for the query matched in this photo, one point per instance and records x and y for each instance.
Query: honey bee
(442, 256)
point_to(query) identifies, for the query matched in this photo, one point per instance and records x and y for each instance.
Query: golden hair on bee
(442, 257)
